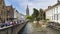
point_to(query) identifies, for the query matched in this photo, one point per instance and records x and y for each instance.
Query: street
(32, 28)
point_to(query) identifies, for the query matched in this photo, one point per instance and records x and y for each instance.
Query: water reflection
(35, 28)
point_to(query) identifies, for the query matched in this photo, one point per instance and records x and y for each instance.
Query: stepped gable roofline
(9, 7)
(52, 6)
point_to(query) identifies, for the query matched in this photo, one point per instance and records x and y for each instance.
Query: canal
(32, 28)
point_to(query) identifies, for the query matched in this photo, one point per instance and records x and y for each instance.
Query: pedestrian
(1, 23)
(12, 23)
(7, 23)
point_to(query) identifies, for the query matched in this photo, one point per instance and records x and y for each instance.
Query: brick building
(10, 12)
(6, 12)
(2, 10)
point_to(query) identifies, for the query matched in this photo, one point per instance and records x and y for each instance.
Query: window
(55, 16)
(52, 17)
(57, 10)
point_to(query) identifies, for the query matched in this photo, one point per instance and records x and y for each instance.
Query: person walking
(7, 23)
(1, 23)
(12, 23)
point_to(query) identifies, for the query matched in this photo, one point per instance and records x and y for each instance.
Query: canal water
(33, 28)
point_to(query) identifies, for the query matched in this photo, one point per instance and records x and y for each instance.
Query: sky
(21, 5)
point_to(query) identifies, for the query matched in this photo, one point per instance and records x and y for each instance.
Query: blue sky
(21, 5)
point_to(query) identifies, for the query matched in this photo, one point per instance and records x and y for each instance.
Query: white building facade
(53, 13)
(18, 16)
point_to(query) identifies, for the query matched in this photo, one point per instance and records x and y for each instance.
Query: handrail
(12, 29)
(6, 27)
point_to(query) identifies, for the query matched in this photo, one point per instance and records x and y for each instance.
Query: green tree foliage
(30, 18)
(35, 14)
(38, 15)
(41, 12)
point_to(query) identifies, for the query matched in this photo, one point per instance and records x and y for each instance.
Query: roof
(52, 6)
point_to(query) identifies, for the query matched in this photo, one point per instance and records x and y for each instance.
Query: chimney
(49, 6)
(58, 1)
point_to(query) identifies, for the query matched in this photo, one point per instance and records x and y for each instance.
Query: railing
(54, 25)
(12, 29)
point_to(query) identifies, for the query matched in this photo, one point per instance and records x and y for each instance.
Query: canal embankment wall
(12, 29)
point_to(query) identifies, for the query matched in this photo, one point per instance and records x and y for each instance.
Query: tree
(41, 14)
(30, 18)
(35, 14)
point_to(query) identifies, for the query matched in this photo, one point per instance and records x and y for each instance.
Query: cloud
(40, 4)
(21, 5)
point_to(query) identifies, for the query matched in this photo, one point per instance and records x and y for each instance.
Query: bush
(46, 21)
